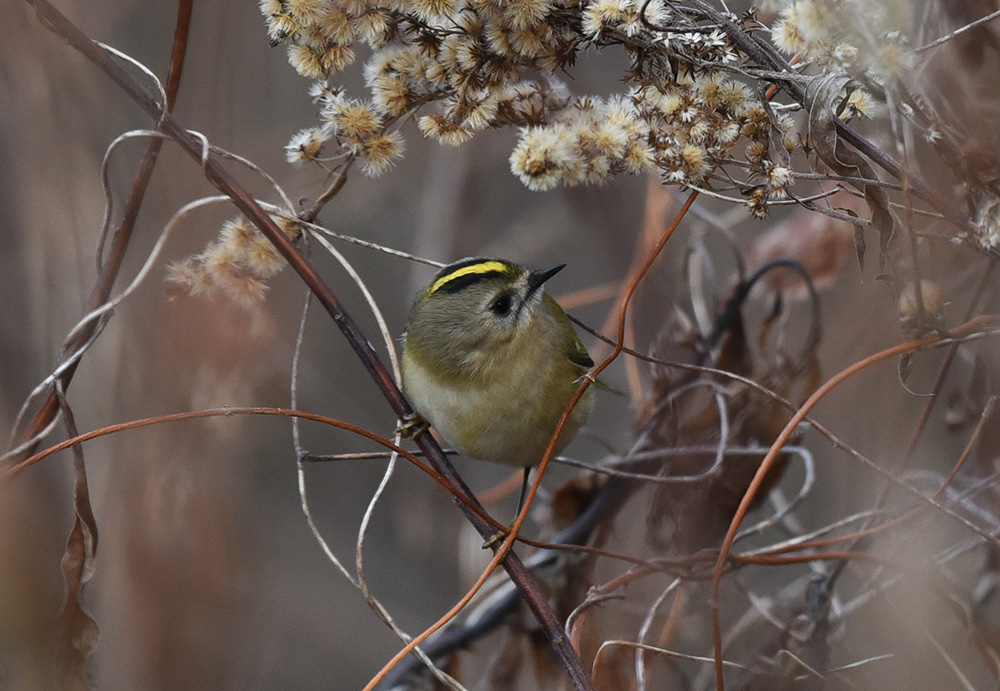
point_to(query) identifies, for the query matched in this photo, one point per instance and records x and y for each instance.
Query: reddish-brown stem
(49, 405)
(78, 439)
(221, 178)
(969, 327)
(976, 434)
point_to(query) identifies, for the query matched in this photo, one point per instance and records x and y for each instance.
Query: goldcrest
(491, 361)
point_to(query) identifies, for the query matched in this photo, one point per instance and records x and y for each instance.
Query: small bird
(491, 361)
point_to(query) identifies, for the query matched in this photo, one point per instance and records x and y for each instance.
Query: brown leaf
(821, 94)
(75, 634)
(571, 499)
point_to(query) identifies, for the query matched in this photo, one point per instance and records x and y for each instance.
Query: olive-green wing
(570, 343)
(572, 346)
(578, 353)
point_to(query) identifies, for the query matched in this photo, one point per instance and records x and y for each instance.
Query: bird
(491, 361)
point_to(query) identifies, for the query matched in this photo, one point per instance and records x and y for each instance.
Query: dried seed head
(908, 305)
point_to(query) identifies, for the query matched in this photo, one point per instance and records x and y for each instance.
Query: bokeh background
(207, 575)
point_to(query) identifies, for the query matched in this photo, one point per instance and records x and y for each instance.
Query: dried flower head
(544, 156)
(779, 180)
(909, 303)
(306, 145)
(380, 152)
(463, 66)
(239, 262)
(987, 224)
(859, 104)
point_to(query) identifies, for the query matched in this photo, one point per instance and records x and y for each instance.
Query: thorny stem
(219, 177)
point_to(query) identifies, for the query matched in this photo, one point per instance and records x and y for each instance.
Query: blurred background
(207, 575)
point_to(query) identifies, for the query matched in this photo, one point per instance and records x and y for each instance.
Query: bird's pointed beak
(540, 276)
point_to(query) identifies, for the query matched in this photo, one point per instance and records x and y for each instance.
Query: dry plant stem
(764, 54)
(110, 268)
(825, 542)
(657, 206)
(971, 25)
(512, 536)
(11, 473)
(675, 617)
(773, 89)
(921, 423)
(970, 327)
(970, 445)
(660, 651)
(313, 211)
(14, 471)
(221, 178)
(81, 489)
(815, 424)
(651, 257)
(497, 559)
(943, 370)
(76, 630)
(807, 558)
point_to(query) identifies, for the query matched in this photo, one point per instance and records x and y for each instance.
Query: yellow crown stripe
(487, 267)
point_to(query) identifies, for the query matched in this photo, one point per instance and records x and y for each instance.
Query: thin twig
(974, 326)
(49, 405)
(222, 179)
(957, 32)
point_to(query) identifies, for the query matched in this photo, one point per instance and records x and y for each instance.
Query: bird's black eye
(501, 306)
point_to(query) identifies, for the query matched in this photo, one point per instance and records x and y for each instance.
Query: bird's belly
(508, 422)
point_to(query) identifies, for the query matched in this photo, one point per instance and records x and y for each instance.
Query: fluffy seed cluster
(987, 225)
(698, 120)
(850, 37)
(239, 262)
(587, 143)
(462, 66)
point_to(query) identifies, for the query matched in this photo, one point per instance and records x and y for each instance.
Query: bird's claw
(494, 539)
(412, 425)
